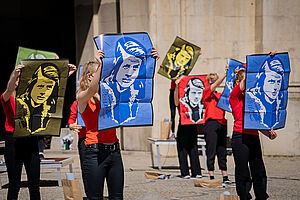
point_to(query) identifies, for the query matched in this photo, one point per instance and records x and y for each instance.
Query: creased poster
(180, 59)
(223, 103)
(126, 85)
(79, 118)
(40, 97)
(266, 93)
(190, 91)
(26, 53)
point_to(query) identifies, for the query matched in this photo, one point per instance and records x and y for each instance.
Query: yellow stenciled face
(42, 90)
(182, 58)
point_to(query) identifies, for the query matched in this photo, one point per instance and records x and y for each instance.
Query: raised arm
(220, 80)
(84, 96)
(12, 83)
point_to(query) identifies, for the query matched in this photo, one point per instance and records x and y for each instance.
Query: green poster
(40, 97)
(180, 59)
(26, 53)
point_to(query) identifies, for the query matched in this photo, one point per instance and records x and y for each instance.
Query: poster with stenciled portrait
(126, 83)
(190, 92)
(27, 53)
(266, 93)
(234, 65)
(40, 97)
(79, 117)
(180, 59)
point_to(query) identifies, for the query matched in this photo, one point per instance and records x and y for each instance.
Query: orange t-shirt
(210, 100)
(90, 118)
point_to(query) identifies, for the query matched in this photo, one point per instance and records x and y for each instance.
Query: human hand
(178, 80)
(200, 52)
(17, 70)
(72, 69)
(154, 53)
(226, 68)
(272, 53)
(56, 56)
(99, 56)
(272, 134)
(75, 127)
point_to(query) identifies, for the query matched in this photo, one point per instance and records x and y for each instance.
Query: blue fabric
(79, 118)
(126, 85)
(224, 100)
(266, 91)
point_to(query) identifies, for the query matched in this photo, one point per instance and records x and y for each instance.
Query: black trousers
(249, 166)
(187, 145)
(81, 150)
(215, 138)
(172, 109)
(19, 151)
(98, 165)
(41, 143)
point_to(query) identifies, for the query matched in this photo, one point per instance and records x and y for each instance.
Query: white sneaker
(199, 176)
(187, 177)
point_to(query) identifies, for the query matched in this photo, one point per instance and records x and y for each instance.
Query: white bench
(50, 163)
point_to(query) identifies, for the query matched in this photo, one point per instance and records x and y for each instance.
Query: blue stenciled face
(128, 71)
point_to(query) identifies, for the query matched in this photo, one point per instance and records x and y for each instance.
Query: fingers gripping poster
(190, 91)
(40, 97)
(180, 59)
(223, 103)
(126, 85)
(266, 93)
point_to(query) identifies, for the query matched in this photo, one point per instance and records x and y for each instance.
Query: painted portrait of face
(128, 71)
(195, 92)
(183, 57)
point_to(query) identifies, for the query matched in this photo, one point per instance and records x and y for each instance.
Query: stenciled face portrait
(195, 94)
(128, 71)
(182, 58)
(42, 90)
(272, 84)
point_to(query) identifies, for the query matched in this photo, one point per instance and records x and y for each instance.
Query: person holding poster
(246, 147)
(23, 150)
(102, 157)
(187, 144)
(215, 129)
(81, 137)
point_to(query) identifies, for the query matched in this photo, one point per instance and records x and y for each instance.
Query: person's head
(212, 77)
(272, 78)
(130, 56)
(194, 91)
(88, 72)
(184, 56)
(43, 86)
(239, 76)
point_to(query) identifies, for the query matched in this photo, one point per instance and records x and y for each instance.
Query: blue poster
(79, 118)
(266, 93)
(223, 103)
(126, 83)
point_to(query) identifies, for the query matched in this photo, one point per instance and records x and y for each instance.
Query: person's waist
(104, 146)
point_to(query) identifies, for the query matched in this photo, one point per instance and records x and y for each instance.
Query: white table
(50, 163)
(158, 142)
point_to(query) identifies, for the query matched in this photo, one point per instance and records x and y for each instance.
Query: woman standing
(246, 147)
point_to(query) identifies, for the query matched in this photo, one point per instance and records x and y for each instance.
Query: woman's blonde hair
(239, 75)
(212, 77)
(88, 68)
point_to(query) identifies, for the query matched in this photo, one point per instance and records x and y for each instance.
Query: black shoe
(226, 180)
(42, 156)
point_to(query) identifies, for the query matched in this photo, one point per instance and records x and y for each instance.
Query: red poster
(190, 99)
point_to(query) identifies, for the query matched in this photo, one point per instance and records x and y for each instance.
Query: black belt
(111, 147)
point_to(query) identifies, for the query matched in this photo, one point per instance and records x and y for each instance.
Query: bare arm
(72, 69)
(84, 96)
(269, 133)
(243, 83)
(11, 85)
(176, 93)
(219, 81)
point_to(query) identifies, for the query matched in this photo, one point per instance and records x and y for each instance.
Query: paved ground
(283, 179)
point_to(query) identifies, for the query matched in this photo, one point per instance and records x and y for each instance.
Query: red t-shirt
(9, 108)
(73, 117)
(173, 85)
(236, 100)
(210, 100)
(90, 118)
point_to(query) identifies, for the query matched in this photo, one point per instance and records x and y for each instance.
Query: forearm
(217, 83)
(176, 97)
(11, 86)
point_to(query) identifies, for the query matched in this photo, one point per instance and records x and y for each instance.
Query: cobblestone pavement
(283, 179)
